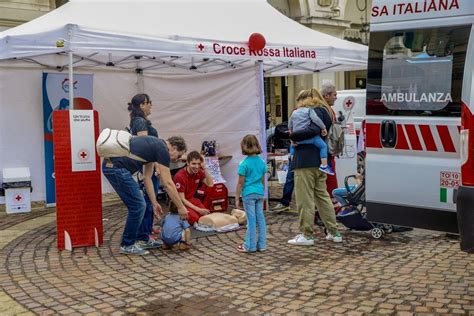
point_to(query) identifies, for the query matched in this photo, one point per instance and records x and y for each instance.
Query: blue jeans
(289, 185)
(147, 224)
(253, 206)
(316, 141)
(129, 191)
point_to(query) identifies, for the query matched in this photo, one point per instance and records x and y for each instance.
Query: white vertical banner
(82, 140)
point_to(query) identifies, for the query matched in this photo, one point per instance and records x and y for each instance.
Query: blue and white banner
(55, 88)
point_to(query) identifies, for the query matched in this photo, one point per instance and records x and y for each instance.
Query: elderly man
(329, 94)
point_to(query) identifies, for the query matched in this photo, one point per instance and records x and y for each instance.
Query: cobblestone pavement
(418, 272)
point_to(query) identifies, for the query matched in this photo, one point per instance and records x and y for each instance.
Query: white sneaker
(281, 207)
(336, 238)
(301, 240)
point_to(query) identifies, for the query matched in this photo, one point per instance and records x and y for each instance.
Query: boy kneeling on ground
(175, 232)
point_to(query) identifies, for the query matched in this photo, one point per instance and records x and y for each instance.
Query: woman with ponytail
(140, 109)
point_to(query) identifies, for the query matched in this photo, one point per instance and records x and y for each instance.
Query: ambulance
(420, 104)
(351, 103)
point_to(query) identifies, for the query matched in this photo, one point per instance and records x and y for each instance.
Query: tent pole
(262, 129)
(71, 82)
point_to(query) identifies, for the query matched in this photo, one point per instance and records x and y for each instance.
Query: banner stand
(78, 179)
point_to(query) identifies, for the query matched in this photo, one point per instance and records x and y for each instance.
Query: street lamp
(364, 33)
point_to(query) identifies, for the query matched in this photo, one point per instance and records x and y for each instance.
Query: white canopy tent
(208, 35)
(168, 49)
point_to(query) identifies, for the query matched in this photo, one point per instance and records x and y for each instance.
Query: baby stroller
(353, 214)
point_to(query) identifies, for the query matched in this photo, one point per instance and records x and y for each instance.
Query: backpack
(114, 143)
(281, 138)
(208, 148)
(335, 139)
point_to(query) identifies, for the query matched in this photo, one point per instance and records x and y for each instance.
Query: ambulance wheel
(376, 233)
(388, 228)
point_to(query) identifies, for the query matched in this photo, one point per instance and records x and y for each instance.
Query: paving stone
(339, 310)
(458, 311)
(403, 307)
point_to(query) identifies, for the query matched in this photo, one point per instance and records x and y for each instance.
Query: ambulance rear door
(414, 87)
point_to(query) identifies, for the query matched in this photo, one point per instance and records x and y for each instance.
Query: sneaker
(242, 248)
(184, 246)
(336, 238)
(301, 240)
(281, 207)
(326, 169)
(133, 250)
(150, 244)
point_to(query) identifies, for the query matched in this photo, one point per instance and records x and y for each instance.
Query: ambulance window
(417, 72)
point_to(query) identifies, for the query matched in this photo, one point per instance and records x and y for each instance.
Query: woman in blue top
(140, 108)
(251, 185)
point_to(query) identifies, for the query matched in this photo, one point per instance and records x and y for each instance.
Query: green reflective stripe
(443, 195)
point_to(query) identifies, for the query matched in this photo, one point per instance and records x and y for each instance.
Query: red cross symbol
(349, 103)
(83, 154)
(200, 47)
(18, 198)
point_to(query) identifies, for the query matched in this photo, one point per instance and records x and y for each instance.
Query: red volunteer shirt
(188, 183)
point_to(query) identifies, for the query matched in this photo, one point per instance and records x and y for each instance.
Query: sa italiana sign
(396, 10)
(82, 140)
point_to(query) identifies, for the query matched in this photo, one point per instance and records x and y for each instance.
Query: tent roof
(177, 33)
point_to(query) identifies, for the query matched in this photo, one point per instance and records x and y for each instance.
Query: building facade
(346, 19)
(14, 13)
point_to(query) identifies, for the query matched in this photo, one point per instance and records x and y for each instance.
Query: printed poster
(212, 164)
(282, 165)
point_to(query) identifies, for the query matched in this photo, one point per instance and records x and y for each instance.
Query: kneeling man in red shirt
(188, 180)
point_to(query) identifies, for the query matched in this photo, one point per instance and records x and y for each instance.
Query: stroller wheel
(376, 233)
(388, 228)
